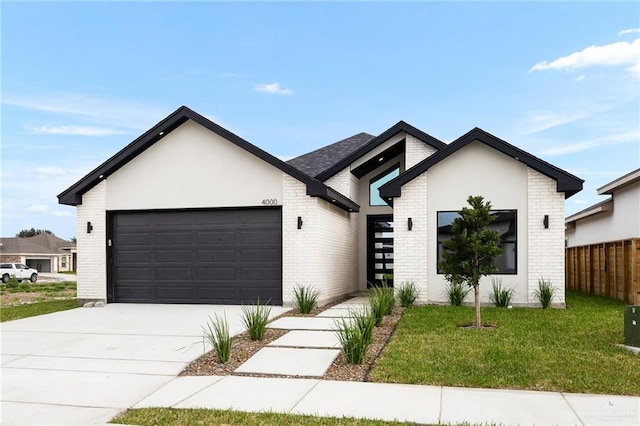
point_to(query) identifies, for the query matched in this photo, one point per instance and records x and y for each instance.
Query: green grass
(34, 309)
(48, 288)
(567, 350)
(184, 417)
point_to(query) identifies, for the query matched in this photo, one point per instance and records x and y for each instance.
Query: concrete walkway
(310, 348)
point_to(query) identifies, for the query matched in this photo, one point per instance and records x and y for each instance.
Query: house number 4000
(269, 202)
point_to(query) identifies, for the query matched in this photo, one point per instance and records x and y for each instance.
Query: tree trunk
(476, 292)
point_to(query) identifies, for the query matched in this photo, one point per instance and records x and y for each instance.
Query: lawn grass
(187, 417)
(9, 313)
(565, 350)
(47, 288)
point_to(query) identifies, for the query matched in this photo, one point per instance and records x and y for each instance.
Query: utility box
(632, 326)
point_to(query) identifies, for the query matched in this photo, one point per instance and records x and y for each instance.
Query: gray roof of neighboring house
(316, 162)
(38, 244)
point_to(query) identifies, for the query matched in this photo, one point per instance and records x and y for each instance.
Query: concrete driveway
(86, 365)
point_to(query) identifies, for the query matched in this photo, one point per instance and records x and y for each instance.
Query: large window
(505, 224)
(378, 181)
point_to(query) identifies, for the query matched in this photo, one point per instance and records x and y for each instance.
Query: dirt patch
(24, 294)
(242, 348)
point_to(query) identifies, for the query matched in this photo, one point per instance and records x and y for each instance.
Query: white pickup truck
(19, 270)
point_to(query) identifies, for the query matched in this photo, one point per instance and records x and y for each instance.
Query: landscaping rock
(99, 304)
(89, 305)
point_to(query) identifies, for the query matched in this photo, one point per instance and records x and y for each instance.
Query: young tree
(470, 254)
(32, 232)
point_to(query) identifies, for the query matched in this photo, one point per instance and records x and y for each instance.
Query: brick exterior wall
(323, 253)
(545, 246)
(416, 151)
(341, 182)
(92, 253)
(410, 247)
(12, 258)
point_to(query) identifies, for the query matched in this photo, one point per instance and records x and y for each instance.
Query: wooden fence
(607, 269)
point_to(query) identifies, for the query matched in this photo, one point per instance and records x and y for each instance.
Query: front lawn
(565, 350)
(26, 299)
(9, 313)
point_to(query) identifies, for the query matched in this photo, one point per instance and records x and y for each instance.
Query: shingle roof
(316, 162)
(38, 244)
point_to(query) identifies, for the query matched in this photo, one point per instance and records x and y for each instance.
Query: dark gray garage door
(224, 256)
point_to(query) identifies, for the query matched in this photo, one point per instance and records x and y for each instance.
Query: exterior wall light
(89, 227)
(545, 221)
(299, 222)
(409, 224)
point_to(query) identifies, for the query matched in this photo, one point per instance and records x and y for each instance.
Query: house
(44, 252)
(613, 219)
(191, 213)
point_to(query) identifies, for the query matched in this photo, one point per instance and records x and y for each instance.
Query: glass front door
(379, 250)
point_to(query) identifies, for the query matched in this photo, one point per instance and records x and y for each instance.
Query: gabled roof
(38, 244)
(601, 207)
(315, 188)
(401, 126)
(566, 182)
(628, 179)
(316, 162)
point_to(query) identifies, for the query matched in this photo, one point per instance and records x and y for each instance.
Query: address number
(269, 202)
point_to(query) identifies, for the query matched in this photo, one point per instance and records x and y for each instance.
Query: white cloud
(59, 213)
(50, 171)
(629, 31)
(73, 130)
(619, 138)
(539, 122)
(272, 88)
(39, 208)
(614, 54)
(579, 78)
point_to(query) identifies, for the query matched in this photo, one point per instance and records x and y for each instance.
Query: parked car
(19, 270)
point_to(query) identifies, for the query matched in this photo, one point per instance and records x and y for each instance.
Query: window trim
(379, 176)
(515, 240)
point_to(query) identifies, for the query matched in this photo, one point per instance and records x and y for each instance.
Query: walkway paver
(308, 339)
(290, 361)
(304, 323)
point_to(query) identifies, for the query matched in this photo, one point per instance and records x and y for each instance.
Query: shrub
(355, 335)
(545, 292)
(500, 296)
(255, 318)
(216, 333)
(407, 293)
(456, 293)
(381, 301)
(306, 298)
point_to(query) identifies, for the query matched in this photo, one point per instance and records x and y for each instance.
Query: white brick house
(191, 213)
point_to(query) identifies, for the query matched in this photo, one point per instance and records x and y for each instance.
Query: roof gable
(401, 126)
(315, 188)
(38, 244)
(566, 182)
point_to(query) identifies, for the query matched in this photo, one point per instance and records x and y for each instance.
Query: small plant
(545, 292)
(12, 282)
(255, 318)
(356, 335)
(407, 293)
(216, 333)
(500, 296)
(381, 301)
(306, 298)
(456, 293)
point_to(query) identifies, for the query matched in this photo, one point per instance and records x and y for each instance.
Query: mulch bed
(242, 348)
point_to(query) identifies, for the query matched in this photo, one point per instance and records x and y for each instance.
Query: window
(63, 262)
(378, 181)
(505, 224)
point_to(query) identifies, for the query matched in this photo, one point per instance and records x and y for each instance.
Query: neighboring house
(614, 219)
(44, 252)
(191, 213)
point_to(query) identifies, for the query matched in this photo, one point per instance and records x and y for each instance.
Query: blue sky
(82, 80)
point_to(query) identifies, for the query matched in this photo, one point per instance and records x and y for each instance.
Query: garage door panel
(213, 256)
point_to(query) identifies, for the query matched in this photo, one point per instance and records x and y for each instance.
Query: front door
(379, 249)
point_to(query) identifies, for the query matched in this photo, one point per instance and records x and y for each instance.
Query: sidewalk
(310, 347)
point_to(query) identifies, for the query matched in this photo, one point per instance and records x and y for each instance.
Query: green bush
(407, 293)
(306, 298)
(545, 293)
(500, 295)
(355, 336)
(381, 301)
(216, 333)
(255, 318)
(456, 293)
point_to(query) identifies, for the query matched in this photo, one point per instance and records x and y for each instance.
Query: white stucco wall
(622, 223)
(193, 167)
(92, 251)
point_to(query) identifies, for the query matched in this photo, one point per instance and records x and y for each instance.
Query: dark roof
(315, 188)
(316, 162)
(38, 244)
(401, 126)
(566, 182)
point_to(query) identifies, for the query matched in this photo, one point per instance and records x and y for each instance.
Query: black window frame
(511, 240)
(379, 176)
